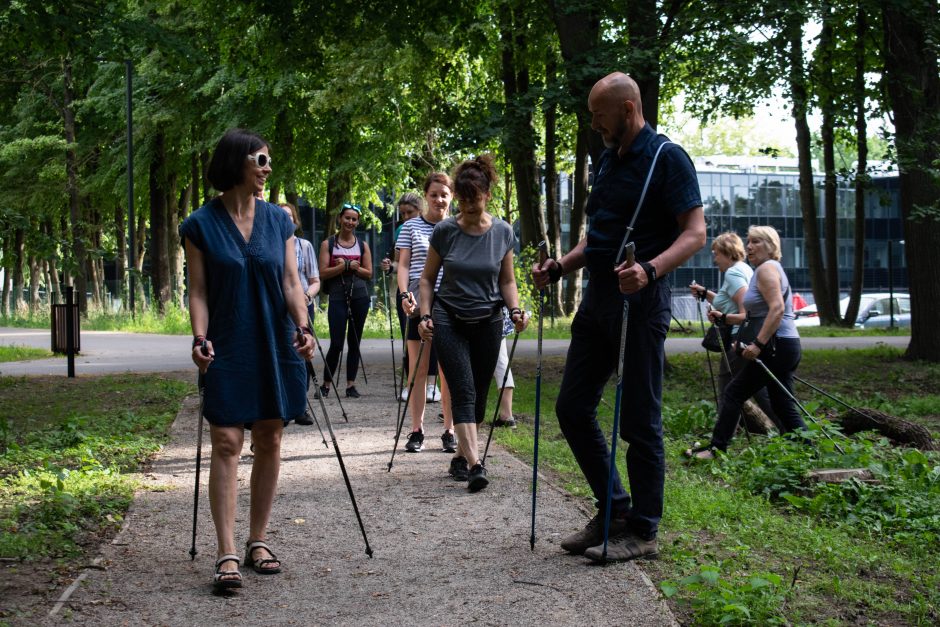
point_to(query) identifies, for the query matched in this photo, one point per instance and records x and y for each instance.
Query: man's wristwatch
(426, 318)
(650, 270)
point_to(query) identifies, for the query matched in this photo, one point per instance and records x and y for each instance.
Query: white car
(873, 311)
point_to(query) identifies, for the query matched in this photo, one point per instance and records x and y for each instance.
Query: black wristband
(759, 344)
(723, 319)
(403, 296)
(650, 270)
(426, 318)
(514, 311)
(198, 340)
(555, 271)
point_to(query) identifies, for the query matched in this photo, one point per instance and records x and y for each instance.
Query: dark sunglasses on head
(355, 208)
(261, 160)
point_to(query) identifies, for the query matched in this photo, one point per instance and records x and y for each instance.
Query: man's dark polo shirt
(618, 183)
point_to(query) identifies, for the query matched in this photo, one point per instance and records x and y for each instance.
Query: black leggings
(467, 352)
(338, 316)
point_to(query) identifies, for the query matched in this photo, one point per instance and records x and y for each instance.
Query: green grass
(67, 447)
(744, 540)
(21, 353)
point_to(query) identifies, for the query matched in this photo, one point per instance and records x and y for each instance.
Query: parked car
(873, 311)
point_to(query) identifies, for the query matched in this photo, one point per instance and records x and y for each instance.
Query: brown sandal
(261, 565)
(226, 579)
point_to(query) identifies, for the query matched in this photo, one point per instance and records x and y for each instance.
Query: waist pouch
(456, 314)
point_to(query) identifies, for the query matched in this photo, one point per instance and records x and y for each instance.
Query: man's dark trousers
(592, 360)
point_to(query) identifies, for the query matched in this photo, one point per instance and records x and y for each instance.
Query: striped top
(415, 236)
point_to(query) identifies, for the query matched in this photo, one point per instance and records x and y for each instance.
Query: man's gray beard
(610, 143)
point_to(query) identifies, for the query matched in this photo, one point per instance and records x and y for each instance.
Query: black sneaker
(449, 442)
(306, 420)
(509, 423)
(324, 390)
(476, 479)
(458, 469)
(415, 442)
(352, 392)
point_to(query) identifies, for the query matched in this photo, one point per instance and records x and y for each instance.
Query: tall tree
(911, 29)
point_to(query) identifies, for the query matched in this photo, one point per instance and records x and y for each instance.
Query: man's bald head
(616, 108)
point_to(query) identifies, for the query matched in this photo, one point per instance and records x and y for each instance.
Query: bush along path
(442, 556)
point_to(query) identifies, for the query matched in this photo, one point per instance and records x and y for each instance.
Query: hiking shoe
(324, 391)
(623, 546)
(449, 442)
(476, 480)
(509, 423)
(415, 442)
(458, 469)
(433, 393)
(593, 534)
(352, 392)
(306, 420)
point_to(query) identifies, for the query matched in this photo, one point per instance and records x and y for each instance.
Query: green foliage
(63, 475)
(20, 353)
(718, 601)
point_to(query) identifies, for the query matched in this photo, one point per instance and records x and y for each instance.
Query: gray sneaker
(623, 546)
(592, 534)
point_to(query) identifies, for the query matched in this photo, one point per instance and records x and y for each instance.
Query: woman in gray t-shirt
(466, 323)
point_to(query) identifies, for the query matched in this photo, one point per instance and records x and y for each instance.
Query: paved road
(109, 351)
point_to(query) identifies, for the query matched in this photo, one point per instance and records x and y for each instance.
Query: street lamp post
(890, 284)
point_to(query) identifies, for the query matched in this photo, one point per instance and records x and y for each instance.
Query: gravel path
(442, 556)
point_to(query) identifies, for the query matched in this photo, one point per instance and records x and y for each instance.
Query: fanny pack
(462, 316)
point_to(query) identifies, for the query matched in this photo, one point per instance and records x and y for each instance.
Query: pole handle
(543, 252)
(629, 253)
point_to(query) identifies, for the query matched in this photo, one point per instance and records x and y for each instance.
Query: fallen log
(892, 427)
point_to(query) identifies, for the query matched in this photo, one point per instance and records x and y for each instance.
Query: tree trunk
(579, 38)
(913, 82)
(206, 186)
(120, 260)
(807, 189)
(19, 250)
(552, 205)
(643, 28)
(77, 264)
(892, 427)
(861, 172)
(159, 264)
(174, 244)
(338, 183)
(829, 166)
(519, 138)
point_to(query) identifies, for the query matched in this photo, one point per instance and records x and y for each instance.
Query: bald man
(669, 228)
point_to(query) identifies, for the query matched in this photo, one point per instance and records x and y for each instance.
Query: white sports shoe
(433, 393)
(404, 393)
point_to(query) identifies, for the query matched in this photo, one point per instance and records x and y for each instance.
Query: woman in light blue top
(769, 304)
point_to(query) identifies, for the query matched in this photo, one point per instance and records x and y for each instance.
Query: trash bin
(60, 328)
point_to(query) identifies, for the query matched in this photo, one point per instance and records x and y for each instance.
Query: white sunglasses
(261, 160)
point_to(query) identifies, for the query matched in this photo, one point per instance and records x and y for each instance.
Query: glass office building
(734, 199)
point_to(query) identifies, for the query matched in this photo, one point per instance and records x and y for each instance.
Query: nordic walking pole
(499, 398)
(401, 420)
(339, 456)
(328, 369)
(629, 250)
(404, 355)
(391, 334)
(838, 400)
(543, 257)
(711, 373)
(313, 376)
(811, 417)
(201, 385)
(352, 327)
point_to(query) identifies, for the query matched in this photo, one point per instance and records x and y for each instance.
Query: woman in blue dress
(245, 306)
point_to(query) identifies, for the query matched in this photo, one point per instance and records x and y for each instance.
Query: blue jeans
(752, 378)
(592, 359)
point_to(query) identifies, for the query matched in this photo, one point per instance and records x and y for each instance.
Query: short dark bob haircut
(227, 167)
